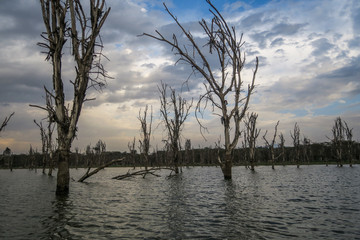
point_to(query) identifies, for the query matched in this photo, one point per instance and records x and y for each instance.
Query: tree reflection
(58, 223)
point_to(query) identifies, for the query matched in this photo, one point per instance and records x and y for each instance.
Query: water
(313, 202)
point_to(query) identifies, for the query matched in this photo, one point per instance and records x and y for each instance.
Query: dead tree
(270, 146)
(43, 145)
(67, 20)
(145, 133)
(131, 147)
(224, 87)
(282, 147)
(174, 110)
(5, 122)
(100, 149)
(296, 142)
(89, 174)
(7, 155)
(252, 134)
(341, 140)
(306, 149)
(188, 156)
(349, 142)
(245, 154)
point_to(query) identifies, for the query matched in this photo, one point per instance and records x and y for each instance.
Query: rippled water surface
(313, 202)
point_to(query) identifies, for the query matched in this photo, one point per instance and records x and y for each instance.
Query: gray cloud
(321, 46)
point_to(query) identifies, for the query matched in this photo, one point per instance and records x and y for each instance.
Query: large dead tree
(224, 86)
(174, 110)
(295, 135)
(67, 20)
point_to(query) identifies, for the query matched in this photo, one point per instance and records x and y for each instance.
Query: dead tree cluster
(224, 92)
(342, 141)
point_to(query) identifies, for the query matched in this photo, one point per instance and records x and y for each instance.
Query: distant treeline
(315, 153)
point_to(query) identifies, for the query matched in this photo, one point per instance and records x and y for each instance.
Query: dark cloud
(292, 93)
(277, 31)
(286, 29)
(356, 17)
(354, 43)
(277, 42)
(321, 46)
(252, 20)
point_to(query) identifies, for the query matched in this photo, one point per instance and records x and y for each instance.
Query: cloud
(321, 46)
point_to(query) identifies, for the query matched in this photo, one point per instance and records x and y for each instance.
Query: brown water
(313, 202)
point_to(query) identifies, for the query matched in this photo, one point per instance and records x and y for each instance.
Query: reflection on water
(313, 202)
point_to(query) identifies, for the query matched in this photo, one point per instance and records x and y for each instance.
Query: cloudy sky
(309, 70)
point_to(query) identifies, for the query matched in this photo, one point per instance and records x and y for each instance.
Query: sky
(309, 69)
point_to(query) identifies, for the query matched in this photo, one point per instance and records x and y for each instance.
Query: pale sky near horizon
(309, 72)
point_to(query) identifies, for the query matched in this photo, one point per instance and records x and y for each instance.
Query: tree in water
(7, 152)
(342, 140)
(270, 146)
(224, 87)
(295, 135)
(282, 147)
(145, 132)
(252, 134)
(174, 110)
(349, 143)
(67, 20)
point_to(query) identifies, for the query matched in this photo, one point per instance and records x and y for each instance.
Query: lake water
(313, 202)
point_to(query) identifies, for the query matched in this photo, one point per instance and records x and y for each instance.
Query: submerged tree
(224, 84)
(342, 141)
(282, 147)
(67, 20)
(145, 132)
(43, 145)
(349, 142)
(251, 134)
(296, 142)
(271, 144)
(174, 110)
(131, 147)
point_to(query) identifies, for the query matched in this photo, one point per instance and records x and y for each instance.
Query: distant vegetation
(316, 153)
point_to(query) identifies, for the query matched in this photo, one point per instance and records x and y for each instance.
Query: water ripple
(312, 202)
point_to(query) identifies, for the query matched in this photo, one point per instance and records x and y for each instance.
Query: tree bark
(226, 167)
(63, 175)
